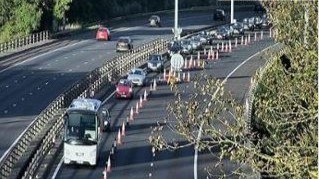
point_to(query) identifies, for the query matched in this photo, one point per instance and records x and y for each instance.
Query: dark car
(155, 21)
(219, 14)
(124, 44)
(248, 24)
(265, 21)
(238, 28)
(155, 63)
(223, 33)
(174, 47)
(258, 22)
(186, 47)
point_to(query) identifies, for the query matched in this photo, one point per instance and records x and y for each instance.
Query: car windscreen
(154, 58)
(136, 72)
(123, 40)
(80, 128)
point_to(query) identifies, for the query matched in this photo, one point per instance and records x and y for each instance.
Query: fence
(47, 126)
(23, 41)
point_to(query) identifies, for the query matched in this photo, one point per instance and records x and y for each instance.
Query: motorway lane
(134, 159)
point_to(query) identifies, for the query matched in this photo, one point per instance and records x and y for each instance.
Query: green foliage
(24, 20)
(286, 100)
(60, 8)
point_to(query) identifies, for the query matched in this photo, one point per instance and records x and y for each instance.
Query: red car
(103, 33)
(124, 89)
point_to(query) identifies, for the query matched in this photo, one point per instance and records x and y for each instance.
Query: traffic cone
(132, 114)
(169, 77)
(123, 129)
(178, 76)
(145, 95)
(230, 48)
(108, 168)
(137, 108)
(236, 41)
(209, 55)
(105, 173)
(255, 38)
(248, 38)
(198, 63)
(184, 76)
(242, 40)
(198, 55)
(190, 62)
(226, 47)
(194, 63)
(185, 63)
(217, 46)
(164, 74)
(204, 51)
(154, 85)
(217, 55)
(188, 76)
(261, 35)
(141, 101)
(270, 33)
(119, 138)
(211, 48)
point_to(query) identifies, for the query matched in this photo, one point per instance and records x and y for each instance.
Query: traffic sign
(177, 62)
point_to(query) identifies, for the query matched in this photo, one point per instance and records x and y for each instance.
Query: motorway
(29, 86)
(134, 159)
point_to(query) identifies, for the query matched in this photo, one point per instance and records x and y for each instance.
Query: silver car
(155, 21)
(155, 63)
(137, 76)
(124, 44)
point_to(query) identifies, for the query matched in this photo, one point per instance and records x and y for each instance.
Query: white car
(137, 76)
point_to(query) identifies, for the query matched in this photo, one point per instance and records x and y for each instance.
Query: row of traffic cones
(122, 130)
(176, 76)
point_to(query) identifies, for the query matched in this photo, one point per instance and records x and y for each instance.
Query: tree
(283, 138)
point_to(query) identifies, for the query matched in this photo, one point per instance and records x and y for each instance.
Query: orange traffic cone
(188, 77)
(119, 138)
(154, 85)
(236, 41)
(123, 129)
(137, 108)
(108, 167)
(145, 95)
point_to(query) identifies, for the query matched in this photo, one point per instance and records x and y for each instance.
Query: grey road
(134, 158)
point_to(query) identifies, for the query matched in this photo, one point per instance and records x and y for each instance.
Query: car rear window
(102, 30)
(123, 40)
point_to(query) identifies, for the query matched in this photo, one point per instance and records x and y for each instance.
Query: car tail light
(117, 89)
(130, 90)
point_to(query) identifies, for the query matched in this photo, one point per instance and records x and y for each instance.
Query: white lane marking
(54, 78)
(46, 83)
(30, 93)
(223, 82)
(57, 169)
(40, 68)
(66, 57)
(93, 59)
(86, 62)
(38, 88)
(22, 99)
(60, 163)
(15, 81)
(24, 76)
(56, 60)
(5, 111)
(46, 53)
(14, 105)
(73, 54)
(7, 86)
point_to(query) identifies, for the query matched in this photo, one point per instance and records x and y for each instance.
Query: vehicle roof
(124, 82)
(125, 37)
(85, 104)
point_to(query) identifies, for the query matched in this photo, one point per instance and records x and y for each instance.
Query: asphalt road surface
(134, 159)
